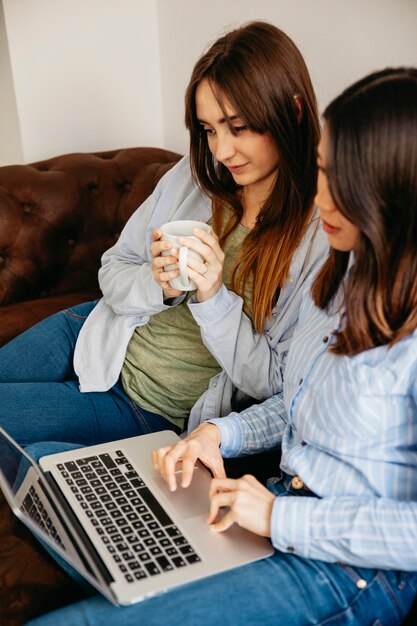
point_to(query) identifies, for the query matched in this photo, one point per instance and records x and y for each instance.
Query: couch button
(71, 242)
(27, 208)
(127, 186)
(2, 260)
(92, 188)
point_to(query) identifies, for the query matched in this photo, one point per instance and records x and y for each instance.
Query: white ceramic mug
(172, 231)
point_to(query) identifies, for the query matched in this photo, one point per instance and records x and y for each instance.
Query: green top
(167, 367)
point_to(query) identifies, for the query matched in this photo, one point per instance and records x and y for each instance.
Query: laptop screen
(24, 487)
(22, 483)
(14, 463)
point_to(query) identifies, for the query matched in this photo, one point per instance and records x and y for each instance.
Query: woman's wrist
(212, 432)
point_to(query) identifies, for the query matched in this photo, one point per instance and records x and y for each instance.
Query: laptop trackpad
(194, 499)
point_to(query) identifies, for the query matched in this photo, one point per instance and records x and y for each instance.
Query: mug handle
(185, 280)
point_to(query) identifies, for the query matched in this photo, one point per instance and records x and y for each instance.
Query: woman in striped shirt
(342, 509)
(346, 422)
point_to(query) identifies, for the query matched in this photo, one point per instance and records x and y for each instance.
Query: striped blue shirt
(348, 427)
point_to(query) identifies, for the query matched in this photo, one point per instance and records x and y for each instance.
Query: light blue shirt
(348, 427)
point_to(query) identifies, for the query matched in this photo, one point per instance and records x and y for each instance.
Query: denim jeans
(39, 395)
(283, 590)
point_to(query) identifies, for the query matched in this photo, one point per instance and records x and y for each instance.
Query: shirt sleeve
(253, 361)
(125, 276)
(359, 531)
(250, 359)
(258, 428)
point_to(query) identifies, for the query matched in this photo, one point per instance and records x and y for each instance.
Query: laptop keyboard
(34, 509)
(137, 532)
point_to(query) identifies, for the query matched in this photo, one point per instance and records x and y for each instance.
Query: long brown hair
(371, 169)
(260, 72)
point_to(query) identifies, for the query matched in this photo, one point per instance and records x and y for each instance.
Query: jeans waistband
(286, 485)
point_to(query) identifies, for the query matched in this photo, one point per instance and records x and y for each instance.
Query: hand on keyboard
(203, 443)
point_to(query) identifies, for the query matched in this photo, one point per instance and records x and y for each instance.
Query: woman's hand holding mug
(207, 277)
(164, 268)
(187, 256)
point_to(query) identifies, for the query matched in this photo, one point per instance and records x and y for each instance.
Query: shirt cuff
(232, 439)
(169, 302)
(290, 524)
(156, 297)
(155, 294)
(214, 309)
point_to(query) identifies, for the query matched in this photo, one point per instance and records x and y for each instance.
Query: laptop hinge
(80, 536)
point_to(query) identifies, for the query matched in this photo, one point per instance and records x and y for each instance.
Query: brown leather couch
(56, 219)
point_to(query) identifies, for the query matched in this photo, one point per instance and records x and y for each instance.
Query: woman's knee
(44, 352)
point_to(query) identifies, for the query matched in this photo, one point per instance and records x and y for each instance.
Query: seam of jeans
(411, 579)
(350, 572)
(379, 576)
(379, 579)
(383, 581)
(74, 316)
(139, 416)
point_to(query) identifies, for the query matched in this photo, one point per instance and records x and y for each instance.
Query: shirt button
(304, 443)
(325, 339)
(290, 549)
(301, 381)
(297, 483)
(361, 583)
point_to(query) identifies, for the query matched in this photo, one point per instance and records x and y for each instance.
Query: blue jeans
(283, 590)
(39, 395)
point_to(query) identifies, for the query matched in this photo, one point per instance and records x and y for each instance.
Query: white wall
(10, 144)
(81, 75)
(86, 74)
(341, 40)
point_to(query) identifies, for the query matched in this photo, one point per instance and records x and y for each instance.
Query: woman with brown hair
(342, 510)
(148, 357)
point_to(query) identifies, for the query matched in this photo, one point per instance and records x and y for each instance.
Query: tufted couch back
(56, 219)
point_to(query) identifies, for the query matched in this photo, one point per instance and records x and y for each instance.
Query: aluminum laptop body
(110, 515)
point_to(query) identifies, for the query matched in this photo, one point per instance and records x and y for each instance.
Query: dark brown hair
(259, 71)
(371, 169)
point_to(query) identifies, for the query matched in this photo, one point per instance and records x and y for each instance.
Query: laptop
(106, 511)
